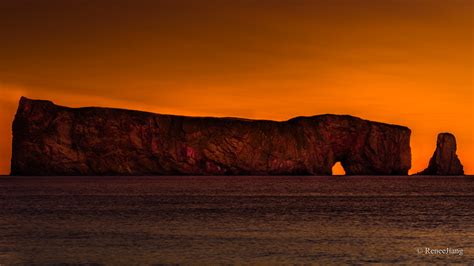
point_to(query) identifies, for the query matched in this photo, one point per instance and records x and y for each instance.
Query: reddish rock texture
(444, 160)
(55, 140)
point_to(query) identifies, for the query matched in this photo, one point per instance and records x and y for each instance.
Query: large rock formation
(54, 140)
(444, 160)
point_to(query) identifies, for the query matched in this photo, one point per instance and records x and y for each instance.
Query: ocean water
(236, 220)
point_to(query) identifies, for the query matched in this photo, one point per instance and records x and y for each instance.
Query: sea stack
(53, 140)
(444, 160)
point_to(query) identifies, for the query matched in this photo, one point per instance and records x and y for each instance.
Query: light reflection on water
(243, 220)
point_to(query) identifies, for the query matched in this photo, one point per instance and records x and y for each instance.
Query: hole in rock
(337, 169)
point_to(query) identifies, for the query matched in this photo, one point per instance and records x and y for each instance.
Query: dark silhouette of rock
(55, 140)
(444, 160)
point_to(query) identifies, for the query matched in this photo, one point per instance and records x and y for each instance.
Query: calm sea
(236, 220)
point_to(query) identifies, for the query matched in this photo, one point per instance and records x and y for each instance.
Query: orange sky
(407, 62)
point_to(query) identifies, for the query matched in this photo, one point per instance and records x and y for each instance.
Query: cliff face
(444, 160)
(54, 140)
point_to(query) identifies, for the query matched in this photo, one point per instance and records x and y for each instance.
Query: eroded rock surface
(55, 140)
(444, 160)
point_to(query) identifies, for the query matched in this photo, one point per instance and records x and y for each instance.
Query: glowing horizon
(418, 162)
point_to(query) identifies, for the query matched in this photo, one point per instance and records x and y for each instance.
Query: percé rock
(444, 160)
(55, 140)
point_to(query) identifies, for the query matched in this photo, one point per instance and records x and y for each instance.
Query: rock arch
(338, 169)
